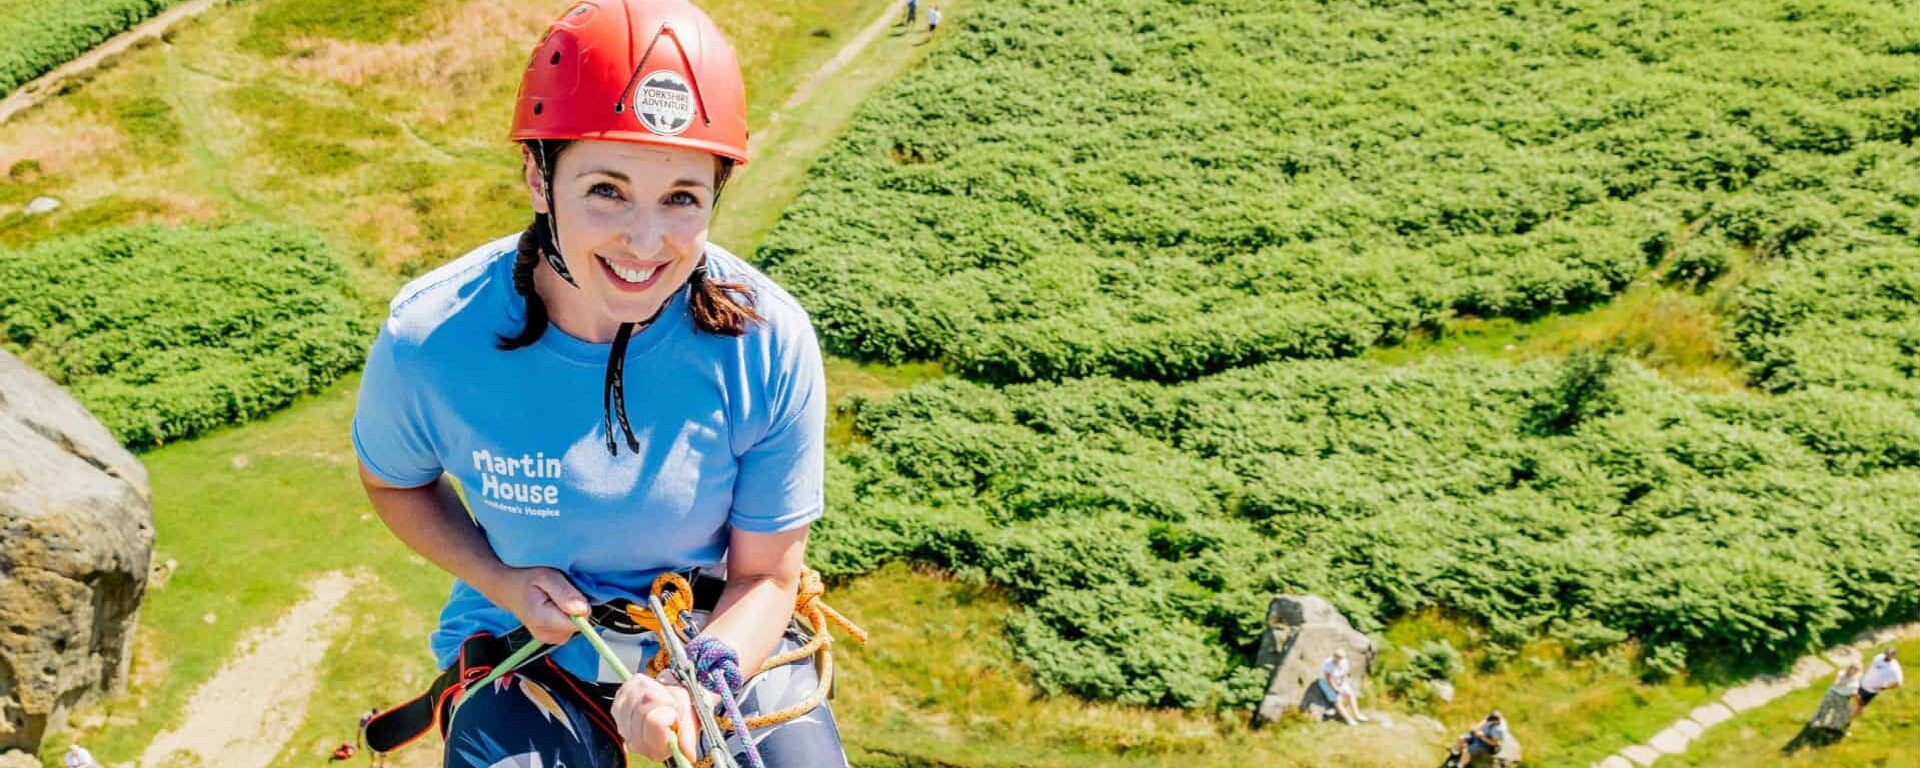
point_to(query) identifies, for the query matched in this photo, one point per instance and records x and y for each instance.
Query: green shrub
(1160, 190)
(1432, 660)
(166, 332)
(1146, 526)
(1580, 393)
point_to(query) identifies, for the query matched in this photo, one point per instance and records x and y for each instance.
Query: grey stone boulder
(76, 536)
(1302, 631)
(19, 759)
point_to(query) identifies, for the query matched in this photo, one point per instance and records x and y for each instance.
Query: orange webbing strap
(807, 605)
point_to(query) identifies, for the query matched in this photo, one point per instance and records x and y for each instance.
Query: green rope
(620, 668)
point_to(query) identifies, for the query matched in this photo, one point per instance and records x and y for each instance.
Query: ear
(536, 184)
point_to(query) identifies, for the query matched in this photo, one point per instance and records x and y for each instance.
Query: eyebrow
(623, 177)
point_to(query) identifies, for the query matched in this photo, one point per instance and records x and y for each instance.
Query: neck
(567, 310)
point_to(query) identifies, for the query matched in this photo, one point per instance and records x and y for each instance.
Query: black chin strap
(552, 255)
(615, 399)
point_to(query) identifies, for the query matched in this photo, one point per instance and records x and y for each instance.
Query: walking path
(840, 59)
(47, 84)
(243, 717)
(1809, 670)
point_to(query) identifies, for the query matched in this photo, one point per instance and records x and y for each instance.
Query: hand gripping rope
(715, 741)
(709, 662)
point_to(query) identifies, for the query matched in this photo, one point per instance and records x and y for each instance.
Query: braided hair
(717, 307)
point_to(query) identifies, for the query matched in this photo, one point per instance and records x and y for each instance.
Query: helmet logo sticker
(664, 102)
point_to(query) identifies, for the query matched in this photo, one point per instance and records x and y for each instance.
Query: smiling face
(631, 221)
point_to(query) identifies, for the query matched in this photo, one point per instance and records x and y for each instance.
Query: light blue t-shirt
(731, 433)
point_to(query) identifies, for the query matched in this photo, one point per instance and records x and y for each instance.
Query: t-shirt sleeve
(781, 474)
(390, 432)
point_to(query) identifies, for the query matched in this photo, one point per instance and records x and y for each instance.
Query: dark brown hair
(718, 307)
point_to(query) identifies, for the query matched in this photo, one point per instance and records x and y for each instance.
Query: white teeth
(633, 275)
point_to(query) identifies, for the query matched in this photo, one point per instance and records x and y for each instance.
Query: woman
(508, 371)
(1835, 712)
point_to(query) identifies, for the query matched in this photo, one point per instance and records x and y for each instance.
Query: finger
(562, 594)
(624, 721)
(546, 621)
(639, 689)
(551, 629)
(659, 725)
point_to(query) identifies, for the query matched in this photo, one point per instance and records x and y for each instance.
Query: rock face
(76, 533)
(1302, 631)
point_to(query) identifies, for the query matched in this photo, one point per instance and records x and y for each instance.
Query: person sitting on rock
(1336, 682)
(1882, 675)
(79, 757)
(1484, 739)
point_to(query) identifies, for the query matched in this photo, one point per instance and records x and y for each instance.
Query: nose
(659, 234)
(642, 233)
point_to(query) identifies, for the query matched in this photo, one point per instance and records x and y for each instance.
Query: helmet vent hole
(619, 107)
(556, 59)
(536, 107)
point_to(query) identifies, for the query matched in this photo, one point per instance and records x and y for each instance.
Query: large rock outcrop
(1302, 631)
(76, 534)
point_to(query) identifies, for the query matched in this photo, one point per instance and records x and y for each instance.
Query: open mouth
(631, 278)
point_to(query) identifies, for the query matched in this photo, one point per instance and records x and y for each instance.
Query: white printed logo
(506, 483)
(663, 102)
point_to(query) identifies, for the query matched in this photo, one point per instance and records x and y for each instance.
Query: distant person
(377, 757)
(1882, 675)
(913, 8)
(79, 757)
(933, 20)
(1484, 739)
(1836, 708)
(1337, 684)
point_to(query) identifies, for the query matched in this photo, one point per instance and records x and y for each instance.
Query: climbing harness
(484, 658)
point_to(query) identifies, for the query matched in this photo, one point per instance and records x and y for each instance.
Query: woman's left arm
(778, 493)
(763, 578)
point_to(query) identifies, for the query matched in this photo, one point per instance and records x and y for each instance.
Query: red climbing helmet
(646, 71)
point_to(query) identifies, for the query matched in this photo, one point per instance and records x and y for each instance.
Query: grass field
(382, 123)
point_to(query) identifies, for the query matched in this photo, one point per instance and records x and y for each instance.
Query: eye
(606, 190)
(681, 197)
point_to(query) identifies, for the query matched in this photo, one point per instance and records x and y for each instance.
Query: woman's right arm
(432, 521)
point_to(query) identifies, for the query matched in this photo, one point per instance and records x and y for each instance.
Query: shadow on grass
(1810, 737)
